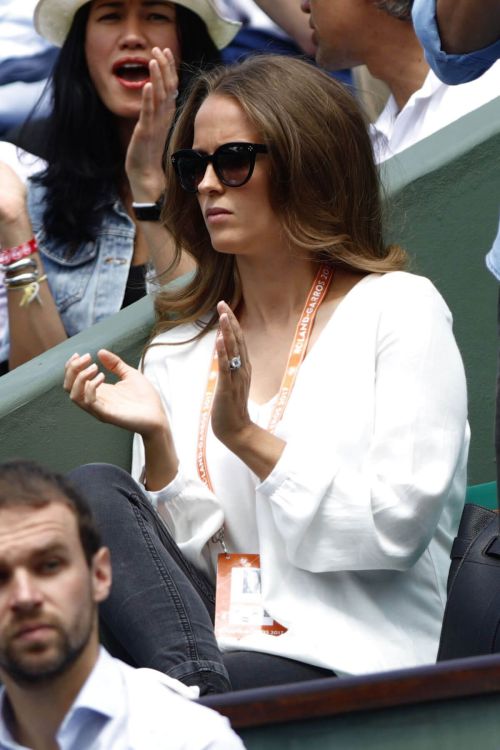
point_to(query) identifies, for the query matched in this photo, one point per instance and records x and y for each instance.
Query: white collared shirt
(121, 708)
(431, 108)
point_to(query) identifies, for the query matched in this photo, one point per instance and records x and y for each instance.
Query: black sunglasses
(233, 164)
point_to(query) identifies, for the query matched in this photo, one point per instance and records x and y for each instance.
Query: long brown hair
(324, 182)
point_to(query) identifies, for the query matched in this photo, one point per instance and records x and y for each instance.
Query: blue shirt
(121, 708)
(455, 69)
(451, 69)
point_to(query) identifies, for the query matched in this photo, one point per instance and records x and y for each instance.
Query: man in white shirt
(380, 35)
(60, 688)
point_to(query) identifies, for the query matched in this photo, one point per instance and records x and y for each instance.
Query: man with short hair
(61, 690)
(380, 35)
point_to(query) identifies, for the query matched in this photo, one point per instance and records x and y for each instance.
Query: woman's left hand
(230, 418)
(143, 163)
(256, 447)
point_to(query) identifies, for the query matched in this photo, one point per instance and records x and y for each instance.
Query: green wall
(446, 193)
(447, 725)
(37, 419)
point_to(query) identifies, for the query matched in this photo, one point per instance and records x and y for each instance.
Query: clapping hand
(230, 418)
(131, 403)
(231, 422)
(143, 163)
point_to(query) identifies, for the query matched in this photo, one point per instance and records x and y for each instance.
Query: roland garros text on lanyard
(296, 355)
(239, 606)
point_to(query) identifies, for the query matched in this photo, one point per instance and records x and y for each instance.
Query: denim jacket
(88, 285)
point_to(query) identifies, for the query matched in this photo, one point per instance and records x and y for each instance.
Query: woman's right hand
(144, 159)
(131, 403)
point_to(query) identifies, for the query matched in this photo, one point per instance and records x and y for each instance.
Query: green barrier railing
(483, 494)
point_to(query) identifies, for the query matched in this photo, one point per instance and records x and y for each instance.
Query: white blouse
(354, 524)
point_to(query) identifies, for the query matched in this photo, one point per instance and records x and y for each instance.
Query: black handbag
(471, 624)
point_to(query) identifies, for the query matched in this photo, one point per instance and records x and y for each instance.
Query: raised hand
(231, 422)
(131, 403)
(229, 410)
(143, 163)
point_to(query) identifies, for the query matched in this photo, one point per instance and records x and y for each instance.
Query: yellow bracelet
(31, 292)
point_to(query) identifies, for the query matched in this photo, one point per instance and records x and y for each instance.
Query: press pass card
(238, 604)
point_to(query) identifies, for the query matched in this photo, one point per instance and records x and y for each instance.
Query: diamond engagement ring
(235, 363)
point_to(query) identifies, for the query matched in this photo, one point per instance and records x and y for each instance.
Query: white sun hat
(53, 19)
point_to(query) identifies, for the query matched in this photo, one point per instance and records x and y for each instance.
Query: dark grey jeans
(161, 608)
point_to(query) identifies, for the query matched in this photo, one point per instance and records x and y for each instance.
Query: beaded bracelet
(12, 254)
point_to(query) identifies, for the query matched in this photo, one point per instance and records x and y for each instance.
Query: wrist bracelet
(30, 291)
(25, 264)
(148, 211)
(29, 285)
(12, 254)
(22, 279)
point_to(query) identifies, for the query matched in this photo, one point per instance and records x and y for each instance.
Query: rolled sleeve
(452, 69)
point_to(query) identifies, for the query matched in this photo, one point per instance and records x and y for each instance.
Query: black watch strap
(148, 211)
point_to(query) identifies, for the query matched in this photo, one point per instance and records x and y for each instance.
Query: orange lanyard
(315, 297)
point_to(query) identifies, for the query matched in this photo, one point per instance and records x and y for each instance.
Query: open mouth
(132, 73)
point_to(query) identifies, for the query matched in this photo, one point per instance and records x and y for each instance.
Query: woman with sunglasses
(89, 226)
(301, 415)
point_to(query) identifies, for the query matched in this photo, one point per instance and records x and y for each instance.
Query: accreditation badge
(238, 601)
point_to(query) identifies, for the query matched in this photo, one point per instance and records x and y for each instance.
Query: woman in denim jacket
(94, 211)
